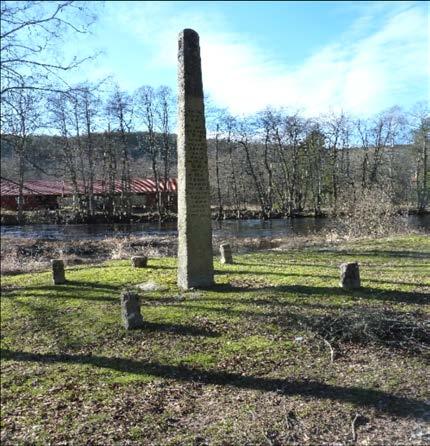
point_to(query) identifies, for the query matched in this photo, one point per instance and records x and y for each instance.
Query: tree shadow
(358, 325)
(367, 293)
(65, 291)
(382, 401)
(287, 265)
(362, 293)
(316, 276)
(178, 329)
(229, 303)
(274, 273)
(159, 267)
(403, 265)
(95, 266)
(386, 253)
(71, 285)
(86, 284)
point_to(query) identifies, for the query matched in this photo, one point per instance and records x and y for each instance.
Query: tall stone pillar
(195, 262)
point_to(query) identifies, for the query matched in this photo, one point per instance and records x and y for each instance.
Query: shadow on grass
(370, 253)
(72, 285)
(288, 265)
(158, 267)
(382, 401)
(64, 291)
(97, 286)
(362, 293)
(182, 330)
(367, 293)
(267, 313)
(386, 253)
(127, 265)
(359, 325)
(274, 273)
(332, 277)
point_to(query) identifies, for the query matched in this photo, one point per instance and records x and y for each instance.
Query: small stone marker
(58, 276)
(130, 310)
(195, 259)
(225, 251)
(350, 276)
(139, 261)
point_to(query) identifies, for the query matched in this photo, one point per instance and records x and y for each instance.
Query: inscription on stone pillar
(195, 262)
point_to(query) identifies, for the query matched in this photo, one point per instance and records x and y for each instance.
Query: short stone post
(130, 310)
(58, 276)
(350, 276)
(225, 251)
(139, 261)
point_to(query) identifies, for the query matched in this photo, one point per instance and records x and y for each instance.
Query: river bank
(225, 228)
(29, 248)
(10, 218)
(20, 255)
(55, 217)
(33, 253)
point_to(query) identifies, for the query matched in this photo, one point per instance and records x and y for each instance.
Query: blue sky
(362, 57)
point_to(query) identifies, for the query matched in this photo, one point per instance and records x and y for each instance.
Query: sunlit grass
(65, 344)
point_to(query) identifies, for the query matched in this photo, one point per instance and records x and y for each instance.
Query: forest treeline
(277, 160)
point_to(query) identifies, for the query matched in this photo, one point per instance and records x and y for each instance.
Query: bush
(369, 212)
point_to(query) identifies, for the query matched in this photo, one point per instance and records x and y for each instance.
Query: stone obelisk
(195, 262)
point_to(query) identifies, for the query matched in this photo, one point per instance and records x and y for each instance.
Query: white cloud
(362, 73)
(362, 77)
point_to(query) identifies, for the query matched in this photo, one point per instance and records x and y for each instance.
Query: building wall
(31, 202)
(143, 202)
(9, 203)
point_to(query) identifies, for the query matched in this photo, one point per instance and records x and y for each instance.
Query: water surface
(228, 228)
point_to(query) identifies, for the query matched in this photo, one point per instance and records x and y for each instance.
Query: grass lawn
(246, 363)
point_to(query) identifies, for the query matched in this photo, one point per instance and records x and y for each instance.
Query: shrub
(369, 212)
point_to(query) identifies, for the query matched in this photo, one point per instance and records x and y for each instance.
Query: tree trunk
(220, 207)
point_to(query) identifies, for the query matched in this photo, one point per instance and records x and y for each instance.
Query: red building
(47, 194)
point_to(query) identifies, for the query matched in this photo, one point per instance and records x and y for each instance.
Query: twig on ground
(354, 433)
(331, 350)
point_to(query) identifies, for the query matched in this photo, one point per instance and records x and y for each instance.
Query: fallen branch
(354, 433)
(331, 350)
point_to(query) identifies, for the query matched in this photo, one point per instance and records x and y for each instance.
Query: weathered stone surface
(130, 311)
(195, 262)
(139, 261)
(350, 276)
(58, 275)
(225, 251)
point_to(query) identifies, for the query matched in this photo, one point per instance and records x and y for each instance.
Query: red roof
(60, 188)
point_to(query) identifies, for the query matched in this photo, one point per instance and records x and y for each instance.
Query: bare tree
(90, 106)
(421, 141)
(61, 108)
(227, 125)
(120, 113)
(315, 142)
(21, 119)
(266, 122)
(164, 106)
(336, 132)
(109, 173)
(244, 134)
(146, 112)
(29, 32)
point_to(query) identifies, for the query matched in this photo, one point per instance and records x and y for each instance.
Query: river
(228, 228)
